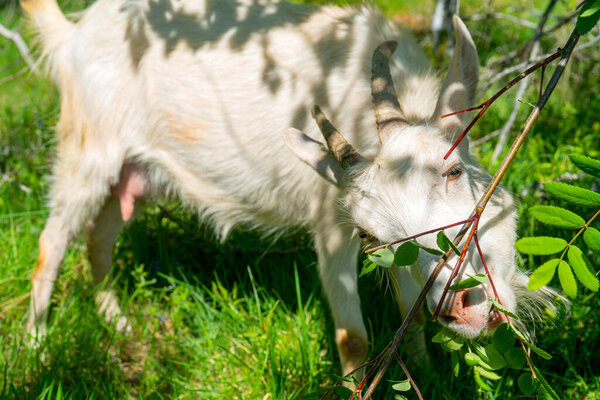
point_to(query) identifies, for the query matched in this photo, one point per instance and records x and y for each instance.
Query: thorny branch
(471, 226)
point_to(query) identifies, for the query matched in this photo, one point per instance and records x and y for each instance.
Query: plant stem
(418, 235)
(459, 262)
(484, 106)
(583, 228)
(412, 382)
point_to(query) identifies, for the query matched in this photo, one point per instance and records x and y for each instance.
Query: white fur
(197, 95)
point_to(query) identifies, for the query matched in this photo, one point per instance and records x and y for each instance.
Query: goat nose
(455, 311)
(461, 310)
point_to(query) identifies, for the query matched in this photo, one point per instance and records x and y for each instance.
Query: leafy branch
(565, 219)
(471, 226)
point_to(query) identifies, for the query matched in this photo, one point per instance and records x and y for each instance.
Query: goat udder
(131, 186)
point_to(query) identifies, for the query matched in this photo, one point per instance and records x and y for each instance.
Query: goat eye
(366, 237)
(454, 173)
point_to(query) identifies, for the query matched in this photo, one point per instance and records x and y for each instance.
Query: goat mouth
(495, 320)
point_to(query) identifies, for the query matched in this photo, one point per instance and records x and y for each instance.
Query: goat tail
(51, 25)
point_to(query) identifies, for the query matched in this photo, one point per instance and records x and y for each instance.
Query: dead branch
(13, 76)
(499, 15)
(504, 131)
(18, 41)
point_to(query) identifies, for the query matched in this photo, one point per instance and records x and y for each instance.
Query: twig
(478, 211)
(13, 76)
(492, 79)
(531, 49)
(414, 385)
(18, 41)
(486, 138)
(504, 131)
(418, 235)
(484, 106)
(562, 21)
(508, 17)
(539, 31)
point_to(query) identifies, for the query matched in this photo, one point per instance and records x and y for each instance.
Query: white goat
(191, 99)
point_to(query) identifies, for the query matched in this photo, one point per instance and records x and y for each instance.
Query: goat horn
(386, 105)
(339, 147)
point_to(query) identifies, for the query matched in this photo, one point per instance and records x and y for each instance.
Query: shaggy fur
(195, 96)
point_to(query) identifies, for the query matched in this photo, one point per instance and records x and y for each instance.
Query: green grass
(246, 319)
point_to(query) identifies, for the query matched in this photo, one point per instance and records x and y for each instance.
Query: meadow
(246, 318)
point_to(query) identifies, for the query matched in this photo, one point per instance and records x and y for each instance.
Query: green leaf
(567, 280)
(503, 339)
(540, 245)
(471, 281)
(430, 250)
(382, 257)
(449, 340)
(557, 216)
(588, 16)
(453, 345)
(455, 363)
(585, 276)
(490, 358)
(503, 309)
(526, 384)
(442, 241)
(495, 359)
(481, 383)
(400, 397)
(406, 254)
(368, 266)
(402, 386)
(573, 194)
(472, 359)
(543, 385)
(535, 349)
(591, 7)
(515, 358)
(543, 274)
(587, 164)
(591, 236)
(443, 336)
(445, 243)
(487, 373)
(480, 358)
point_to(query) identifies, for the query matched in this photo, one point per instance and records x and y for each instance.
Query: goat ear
(315, 154)
(459, 86)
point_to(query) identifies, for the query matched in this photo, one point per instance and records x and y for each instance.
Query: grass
(246, 319)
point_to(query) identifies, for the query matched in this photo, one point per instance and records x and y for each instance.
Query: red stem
(412, 382)
(418, 235)
(485, 105)
(456, 268)
(487, 272)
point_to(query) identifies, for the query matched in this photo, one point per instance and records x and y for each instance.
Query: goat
(193, 100)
